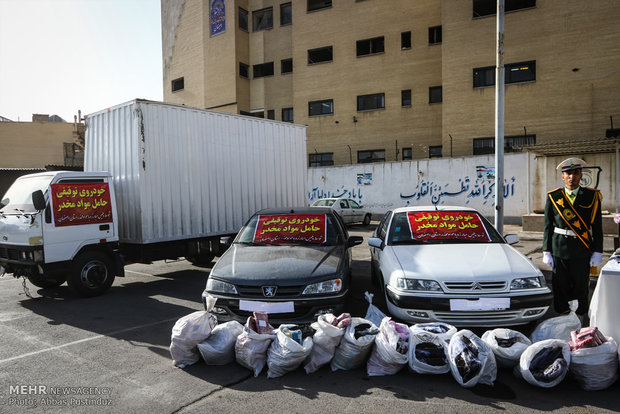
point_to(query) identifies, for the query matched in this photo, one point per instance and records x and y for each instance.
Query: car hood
(294, 265)
(493, 261)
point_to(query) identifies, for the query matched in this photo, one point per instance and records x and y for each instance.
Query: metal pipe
(499, 121)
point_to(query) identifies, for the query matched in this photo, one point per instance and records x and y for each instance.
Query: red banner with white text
(75, 204)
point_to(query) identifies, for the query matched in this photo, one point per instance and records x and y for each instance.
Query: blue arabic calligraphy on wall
(317, 194)
(438, 194)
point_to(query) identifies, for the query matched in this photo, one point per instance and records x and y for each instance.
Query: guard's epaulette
(553, 191)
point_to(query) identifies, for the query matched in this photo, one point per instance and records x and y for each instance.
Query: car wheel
(91, 274)
(42, 282)
(366, 219)
(202, 259)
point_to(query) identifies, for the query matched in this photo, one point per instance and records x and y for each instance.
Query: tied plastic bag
(559, 327)
(390, 352)
(471, 360)
(251, 347)
(595, 368)
(355, 345)
(285, 353)
(443, 330)
(545, 363)
(428, 352)
(188, 332)
(507, 345)
(326, 339)
(219, 348)
(373, 314)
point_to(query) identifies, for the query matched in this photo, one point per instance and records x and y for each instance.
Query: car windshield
(441, 227)
(18, 199)
(291, 229)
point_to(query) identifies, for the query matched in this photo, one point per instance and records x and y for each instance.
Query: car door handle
(104, 227)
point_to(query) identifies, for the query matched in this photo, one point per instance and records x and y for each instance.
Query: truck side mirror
(38, 199)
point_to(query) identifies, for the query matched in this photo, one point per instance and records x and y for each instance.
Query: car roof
(296, 210)
(434, 208)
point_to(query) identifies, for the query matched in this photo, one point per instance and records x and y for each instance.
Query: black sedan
(293, 264)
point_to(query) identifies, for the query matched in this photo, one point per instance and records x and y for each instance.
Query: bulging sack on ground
(471, 360)
(545, 363)
(326, 339)
(187, 333)
(286, 353)
(355, 345)
(389, 354)
(373, 314)
(219, 347)
(507, 345)
(559, 327)
(251, 347)
(595, 368)
(428, 352)
(443, 330)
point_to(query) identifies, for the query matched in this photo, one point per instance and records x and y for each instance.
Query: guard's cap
(571, 164)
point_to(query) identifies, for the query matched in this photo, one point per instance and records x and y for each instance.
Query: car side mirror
(38, 200)
(512, 238)
(375, 242)
(354, 241)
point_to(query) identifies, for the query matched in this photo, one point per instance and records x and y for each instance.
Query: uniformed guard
(573, 237)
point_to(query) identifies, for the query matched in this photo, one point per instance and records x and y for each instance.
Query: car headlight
(418, 284)
(218, 286)
(330, 286)
(526, 283)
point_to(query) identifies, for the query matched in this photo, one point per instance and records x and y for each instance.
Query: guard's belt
(564, 232)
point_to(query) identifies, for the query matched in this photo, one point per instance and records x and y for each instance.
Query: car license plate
(481, 304)
(267, 307)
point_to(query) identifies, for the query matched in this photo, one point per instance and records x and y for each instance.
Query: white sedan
(349, 210)
(449, 264)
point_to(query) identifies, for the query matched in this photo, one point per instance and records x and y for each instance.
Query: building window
(320, 55)
(435, 151)
(256, 113)
(434, 35)
(364, 157)
(263, 69)
(262, 19)
(512, 143)
(407, 154)
(371, 102)
(243, 19)
(287, 114)
(435, 94)
(286, 14)
(489, 7)
(405, 98)
(286, 66)
(324, 107)
(484, 76)
(370, 46)
(320, 159)
(319, 4)
(271, 114)
(513, 73)
(178, 84)
(405, 40)
(244, 70)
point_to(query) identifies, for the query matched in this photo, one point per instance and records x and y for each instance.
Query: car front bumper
(523, 309)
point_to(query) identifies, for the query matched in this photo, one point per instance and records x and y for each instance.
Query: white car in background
(349, 210)
(449, 264)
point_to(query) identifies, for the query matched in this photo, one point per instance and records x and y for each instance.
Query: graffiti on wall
(481, 188)
(317, 194)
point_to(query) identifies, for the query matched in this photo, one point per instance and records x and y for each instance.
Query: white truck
(160, 181)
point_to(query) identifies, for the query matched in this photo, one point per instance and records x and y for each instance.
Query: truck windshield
(18, 199)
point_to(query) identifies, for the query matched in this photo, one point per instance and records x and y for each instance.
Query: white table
(605, 304)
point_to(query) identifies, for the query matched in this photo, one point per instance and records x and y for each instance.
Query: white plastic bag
(326, 338)
(251, 348)
(285, 354)
(373, 314)
(595, 368)
(527, 363)
(559, 327)
(219, 347)
(187, 333)
(424, 360)
(352, 352)
(471, 360)
(443, 330)
(506, 356)
(386, 359)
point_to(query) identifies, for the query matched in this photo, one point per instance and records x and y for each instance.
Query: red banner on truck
(86, 203)
(284, 228)
(434, 225)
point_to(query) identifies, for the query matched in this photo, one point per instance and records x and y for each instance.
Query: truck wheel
(202, 259)
(42, 282)
(366, 219)
(91, 274)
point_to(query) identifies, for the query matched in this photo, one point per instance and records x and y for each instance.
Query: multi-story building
(387, 80)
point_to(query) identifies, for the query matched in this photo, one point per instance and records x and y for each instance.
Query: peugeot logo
(5, 238)
(269, 291)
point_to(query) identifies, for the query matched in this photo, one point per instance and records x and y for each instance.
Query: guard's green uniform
(571, 254)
